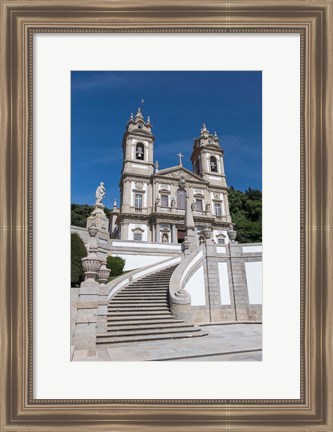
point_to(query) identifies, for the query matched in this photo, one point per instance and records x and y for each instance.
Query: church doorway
(181, 235)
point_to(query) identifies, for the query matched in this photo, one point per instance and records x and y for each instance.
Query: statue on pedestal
(100, 194)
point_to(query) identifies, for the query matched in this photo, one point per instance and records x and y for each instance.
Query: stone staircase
(140, 312)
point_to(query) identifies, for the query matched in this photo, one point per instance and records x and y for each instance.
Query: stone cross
(180, 158)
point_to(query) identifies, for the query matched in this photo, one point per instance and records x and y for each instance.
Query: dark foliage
(80, 212)
(78, 251)
(246, 214)
(116, 264)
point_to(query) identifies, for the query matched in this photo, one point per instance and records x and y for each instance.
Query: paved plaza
(225, 342)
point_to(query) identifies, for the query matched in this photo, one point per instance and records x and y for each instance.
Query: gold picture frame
(313, 20)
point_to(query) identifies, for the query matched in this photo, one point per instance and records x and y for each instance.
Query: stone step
(150, 326)
(140, 311)
(113, 340)
(138, 295)
(146, 287)
(143, 320)
(137, 332)
(138, 314)
(135, 308)
(150, 281)
(151, 296)
(139, 303)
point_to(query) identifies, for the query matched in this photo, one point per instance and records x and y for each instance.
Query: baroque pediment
(178, 173)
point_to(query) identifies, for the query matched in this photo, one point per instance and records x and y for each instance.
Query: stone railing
(114, 286)
(180, 300)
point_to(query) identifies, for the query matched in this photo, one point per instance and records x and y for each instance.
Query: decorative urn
(103, 273)
(232, 234)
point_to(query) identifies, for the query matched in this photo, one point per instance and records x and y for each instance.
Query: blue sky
(230, 103)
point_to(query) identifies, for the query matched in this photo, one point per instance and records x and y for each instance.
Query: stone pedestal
(85, 329)
(99, 219)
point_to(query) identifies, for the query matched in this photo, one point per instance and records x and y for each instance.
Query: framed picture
(54, 55)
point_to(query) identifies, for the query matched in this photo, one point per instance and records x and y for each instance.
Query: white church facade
(153, 200)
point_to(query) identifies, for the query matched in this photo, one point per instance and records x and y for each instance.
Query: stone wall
(227, 284)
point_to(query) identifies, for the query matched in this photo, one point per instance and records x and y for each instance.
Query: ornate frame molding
(312, 19)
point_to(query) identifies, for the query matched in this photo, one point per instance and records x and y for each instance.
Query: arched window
(213, 164)
(139, 151)
(181, 199)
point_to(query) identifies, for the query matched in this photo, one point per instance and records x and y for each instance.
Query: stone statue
(173, 202)
(207, 207)
(182, 182)
(157, 201)
(100, 193)
(193, 206)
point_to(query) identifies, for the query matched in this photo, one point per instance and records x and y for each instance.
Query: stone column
(174, 233)
(189, 225)
(158, 233)
(102, 310)
(214, 295)
(239, 285)
(124, 231)
(226, 204)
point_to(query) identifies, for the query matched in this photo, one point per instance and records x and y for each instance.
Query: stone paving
(225, 342)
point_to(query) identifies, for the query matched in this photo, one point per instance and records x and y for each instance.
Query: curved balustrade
(179, 298)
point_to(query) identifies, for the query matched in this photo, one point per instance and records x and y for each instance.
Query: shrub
(78, 251)
(116, 264)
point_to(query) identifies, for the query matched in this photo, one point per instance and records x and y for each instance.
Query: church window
(199, 204)
(213, 164)
(181, 199)
(138, 236)
(139, 151)
(218, 209)
(138, 201)
(164, 201)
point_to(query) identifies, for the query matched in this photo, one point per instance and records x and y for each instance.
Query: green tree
(80, 213)
(116, 264)
(246, 214)
(78, 251)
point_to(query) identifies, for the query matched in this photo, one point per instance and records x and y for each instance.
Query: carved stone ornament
(182, 182)
(216, 195)
(139, 185)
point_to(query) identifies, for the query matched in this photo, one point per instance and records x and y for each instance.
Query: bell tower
(207, 158)
(137, 146)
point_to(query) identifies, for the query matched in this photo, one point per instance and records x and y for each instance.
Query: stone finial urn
(207, 232)
(103, 273)
(91, 263)
(90, 267)
(92, 230)
(232, 234)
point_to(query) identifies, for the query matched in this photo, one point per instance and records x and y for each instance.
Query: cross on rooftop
(180, 158)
